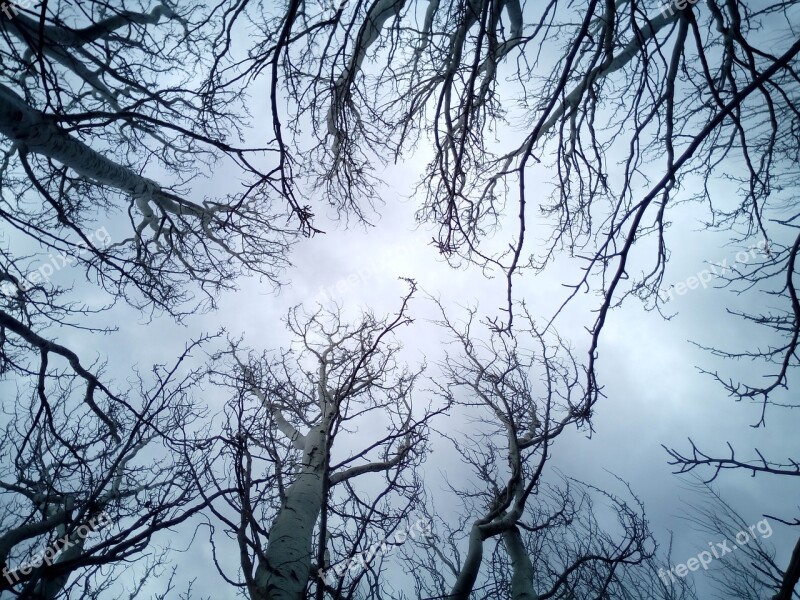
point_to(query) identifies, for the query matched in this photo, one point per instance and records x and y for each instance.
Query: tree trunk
(29, 130)
(284, 573)
(472, 564)
(522, 575)
(27, 127)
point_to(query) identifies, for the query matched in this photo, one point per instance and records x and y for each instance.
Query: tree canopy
(171, 151)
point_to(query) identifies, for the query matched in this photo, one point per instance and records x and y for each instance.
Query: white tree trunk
(522, 569)
(51, 589)
(27, 128)
(285, 572)
(472, 564)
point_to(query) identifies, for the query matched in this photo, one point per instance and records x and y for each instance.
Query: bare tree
(309, 496)
(115, 108)
(516, 536)
(78, 498)
(626, 109)
(560, 548)
(102, 118)
(674, 91)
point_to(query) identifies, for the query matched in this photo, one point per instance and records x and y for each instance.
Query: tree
(97, 102)
(694, 81)
(102, 119)
(307, 498)
(94, 127)
(759, 570)
(697, 104)
(317, 514)
(80, 497)
(691, 99)
(522, 393)
(559, 549)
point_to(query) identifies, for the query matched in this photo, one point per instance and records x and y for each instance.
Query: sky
(654, 392)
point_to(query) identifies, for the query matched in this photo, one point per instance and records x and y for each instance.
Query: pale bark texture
(522, 573)
(285, 571)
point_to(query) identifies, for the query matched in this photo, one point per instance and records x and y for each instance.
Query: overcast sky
(648, 366)
(654, 393)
